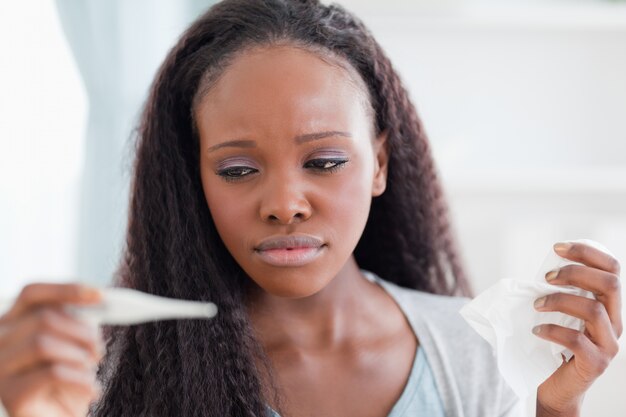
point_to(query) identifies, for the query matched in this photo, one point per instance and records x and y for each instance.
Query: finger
(592, 312)
(42, 349)
(605, 285)
(588, 255)
(42, 293)
(590, 359)
(58, 322)
(58, 377)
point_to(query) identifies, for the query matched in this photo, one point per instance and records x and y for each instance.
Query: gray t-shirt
(463, 364)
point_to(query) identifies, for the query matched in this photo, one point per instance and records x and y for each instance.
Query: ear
(381, 159)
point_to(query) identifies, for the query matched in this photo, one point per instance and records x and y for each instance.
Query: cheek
(348, 205)
(229, 211)
(349, 200)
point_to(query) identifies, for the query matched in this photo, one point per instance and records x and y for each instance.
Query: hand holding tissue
(583, 301)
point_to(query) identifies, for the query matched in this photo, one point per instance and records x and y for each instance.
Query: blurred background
(524, 103)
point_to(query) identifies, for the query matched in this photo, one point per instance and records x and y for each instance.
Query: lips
(289, 242)
(290, 251)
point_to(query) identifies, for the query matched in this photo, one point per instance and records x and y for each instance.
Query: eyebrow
(300, 139)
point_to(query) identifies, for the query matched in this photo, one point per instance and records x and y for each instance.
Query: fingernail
(552, 275)
(562, 247)
(540, 302)
(536, 329)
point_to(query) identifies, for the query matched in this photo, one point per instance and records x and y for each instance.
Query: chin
(292, 282)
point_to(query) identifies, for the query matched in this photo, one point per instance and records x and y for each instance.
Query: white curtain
(118, 46)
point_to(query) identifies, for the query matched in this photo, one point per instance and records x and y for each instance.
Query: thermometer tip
(211, 310)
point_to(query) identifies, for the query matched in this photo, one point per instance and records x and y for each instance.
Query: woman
(283, 173)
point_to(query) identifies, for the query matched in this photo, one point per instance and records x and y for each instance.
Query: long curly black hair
(212, 367)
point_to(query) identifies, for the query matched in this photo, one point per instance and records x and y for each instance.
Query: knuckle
(567, 271)
(596, 310)
(548, 331)
(613, 284)
(613, 350)
(554, 300)
(46, 319)
(41, 345)
(615, 265)
(557, 301)
(69, 291)
(578, 250)
(576, 340)
(75, 291)
(55, 372)
(601, 363)
(27, 291)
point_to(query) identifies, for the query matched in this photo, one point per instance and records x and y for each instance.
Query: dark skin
(563, 392)
(322, 321)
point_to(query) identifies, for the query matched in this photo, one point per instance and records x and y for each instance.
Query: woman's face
(286, 151)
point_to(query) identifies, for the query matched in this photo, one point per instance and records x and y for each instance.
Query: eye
(327, 165)
(238, 173)
(235, 173)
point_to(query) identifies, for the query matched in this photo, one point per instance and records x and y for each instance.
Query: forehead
(283, 87)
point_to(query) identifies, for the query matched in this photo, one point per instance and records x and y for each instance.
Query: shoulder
(437, 317)
(463, 362)
(434, 308)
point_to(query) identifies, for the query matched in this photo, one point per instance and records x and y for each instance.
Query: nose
(284, 202)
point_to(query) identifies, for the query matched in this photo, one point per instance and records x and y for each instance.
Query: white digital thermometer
(125, 306)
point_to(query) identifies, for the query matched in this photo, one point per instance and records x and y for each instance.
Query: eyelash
(227, 173)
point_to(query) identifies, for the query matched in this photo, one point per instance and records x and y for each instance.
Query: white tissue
(504, 315)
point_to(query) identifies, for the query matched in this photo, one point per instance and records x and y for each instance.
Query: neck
(325, 320)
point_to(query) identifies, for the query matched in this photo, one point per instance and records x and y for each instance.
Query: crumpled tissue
(504, 315)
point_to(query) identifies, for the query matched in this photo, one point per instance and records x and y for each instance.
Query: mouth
(290, 250)
(290, 256)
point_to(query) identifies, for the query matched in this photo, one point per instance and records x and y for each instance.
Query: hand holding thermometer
(125, 306)
(41, 347)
